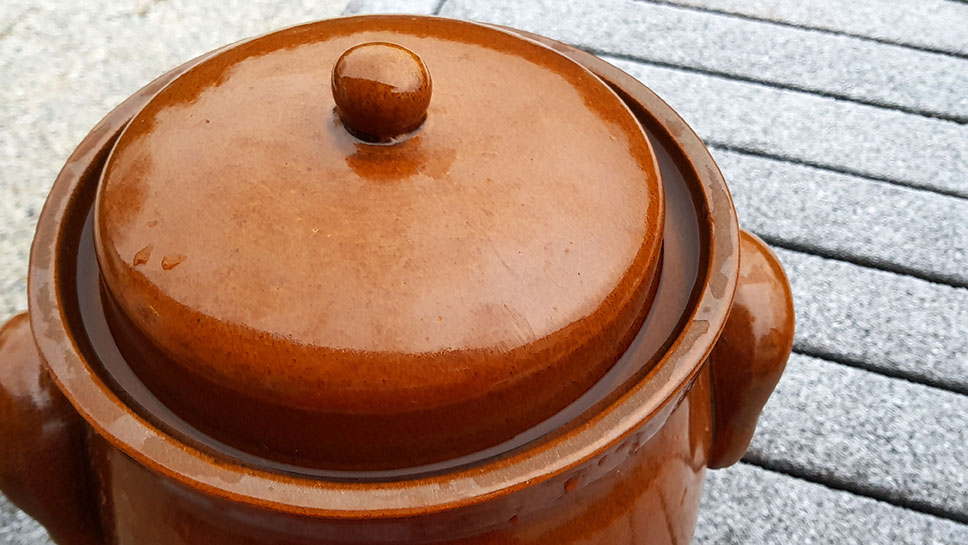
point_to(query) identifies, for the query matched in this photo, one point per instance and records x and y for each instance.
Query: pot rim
(650, 400)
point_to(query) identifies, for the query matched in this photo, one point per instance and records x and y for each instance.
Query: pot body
(644, 490)
(96, 480)
(641, 493)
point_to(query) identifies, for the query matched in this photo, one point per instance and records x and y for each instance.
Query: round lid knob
(381, 90)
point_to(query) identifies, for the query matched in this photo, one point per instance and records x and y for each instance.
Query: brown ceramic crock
(387, 279)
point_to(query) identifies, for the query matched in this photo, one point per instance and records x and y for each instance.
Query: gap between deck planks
(906, 231)
(935, 26)
(898, 323)
(734, 512)
(902, 148)
(869, 434)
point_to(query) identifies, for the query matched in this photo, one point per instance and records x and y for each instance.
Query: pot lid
(379, 241)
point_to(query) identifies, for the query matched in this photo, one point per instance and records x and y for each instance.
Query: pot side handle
(43, 465)
(752, 351)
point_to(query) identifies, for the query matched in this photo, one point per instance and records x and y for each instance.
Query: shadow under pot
(387, 279)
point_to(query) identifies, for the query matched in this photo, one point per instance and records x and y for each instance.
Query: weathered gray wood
(896, 146)
(884, 437)
(745, 505)
(933, 24)
(898, 324)
(360, 7)
(826, 63)
(896, 228)
(16, 528)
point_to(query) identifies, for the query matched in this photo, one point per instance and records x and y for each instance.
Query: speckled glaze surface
(626, 467)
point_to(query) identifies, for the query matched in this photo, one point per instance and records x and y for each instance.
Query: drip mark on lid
(171, 261)
(142, 256)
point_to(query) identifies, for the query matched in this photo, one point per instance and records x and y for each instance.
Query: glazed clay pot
(166, 388)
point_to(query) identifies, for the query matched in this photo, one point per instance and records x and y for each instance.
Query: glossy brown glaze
(631, 473)
(749, 358)
(642, 491)
(391, 305)
(43, 465)
(382, 91)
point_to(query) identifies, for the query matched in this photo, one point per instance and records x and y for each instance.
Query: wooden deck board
(934, 25)
(908, 231)
(877, 143)
(894, 323)
(876, 435)
(746, 505)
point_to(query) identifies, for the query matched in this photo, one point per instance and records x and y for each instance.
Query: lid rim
(202, 343)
